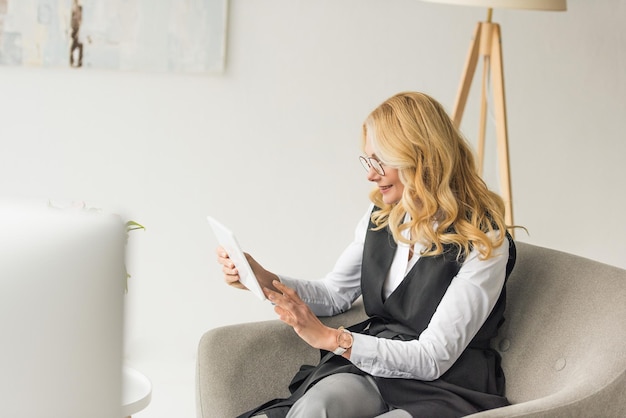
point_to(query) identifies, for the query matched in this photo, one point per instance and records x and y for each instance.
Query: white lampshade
(557, 5)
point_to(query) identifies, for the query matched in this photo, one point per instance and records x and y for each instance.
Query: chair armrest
(582, 399)
(242, 366)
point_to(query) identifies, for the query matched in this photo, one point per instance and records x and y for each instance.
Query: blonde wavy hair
(444, 195)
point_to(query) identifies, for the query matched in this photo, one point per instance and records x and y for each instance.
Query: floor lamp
(487, 43)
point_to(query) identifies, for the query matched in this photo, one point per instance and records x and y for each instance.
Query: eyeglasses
(371, 162)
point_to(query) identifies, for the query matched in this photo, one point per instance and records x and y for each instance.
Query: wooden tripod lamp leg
(466, 79)
(497, 75)
(485, 52)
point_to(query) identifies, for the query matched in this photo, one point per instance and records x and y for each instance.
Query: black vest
(406, 313)
(475, 381)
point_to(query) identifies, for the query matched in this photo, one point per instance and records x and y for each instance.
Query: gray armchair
(563, 345)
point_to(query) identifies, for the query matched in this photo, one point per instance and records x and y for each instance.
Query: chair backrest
(565, 328)
(61, 313)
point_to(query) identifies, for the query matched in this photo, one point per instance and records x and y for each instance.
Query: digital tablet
(227, 239)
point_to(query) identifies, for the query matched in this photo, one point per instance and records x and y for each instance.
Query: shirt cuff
(364, 350)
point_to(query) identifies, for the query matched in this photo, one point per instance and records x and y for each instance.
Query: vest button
(560, 364)
(504, 345)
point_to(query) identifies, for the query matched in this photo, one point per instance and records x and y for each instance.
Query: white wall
(270, 148)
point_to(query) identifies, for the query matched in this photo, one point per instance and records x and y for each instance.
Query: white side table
(136, 391)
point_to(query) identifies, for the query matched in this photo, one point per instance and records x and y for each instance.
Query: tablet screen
(227, 239)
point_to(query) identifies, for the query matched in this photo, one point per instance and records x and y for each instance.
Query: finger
(221, 252)
(273, 296)
(287, 291)
(225, 261)
(284, 315)
(230, 270)
(230, 279)
(282, 301)
(238, 285)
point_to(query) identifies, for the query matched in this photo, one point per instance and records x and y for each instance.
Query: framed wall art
(178, 36)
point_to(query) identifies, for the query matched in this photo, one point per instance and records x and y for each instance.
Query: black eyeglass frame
(371, 162)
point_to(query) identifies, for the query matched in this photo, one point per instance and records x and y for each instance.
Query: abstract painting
(180, 36)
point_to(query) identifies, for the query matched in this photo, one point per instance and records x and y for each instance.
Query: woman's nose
(372, 175)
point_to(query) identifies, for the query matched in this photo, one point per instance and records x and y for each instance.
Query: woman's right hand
(231, 275)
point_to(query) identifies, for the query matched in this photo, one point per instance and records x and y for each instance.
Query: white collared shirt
(401, 264)
(465, 306)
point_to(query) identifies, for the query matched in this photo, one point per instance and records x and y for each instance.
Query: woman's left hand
(294, 312)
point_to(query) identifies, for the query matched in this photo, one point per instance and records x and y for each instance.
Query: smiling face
(389, 185)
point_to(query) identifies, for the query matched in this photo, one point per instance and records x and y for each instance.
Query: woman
(430, 258)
